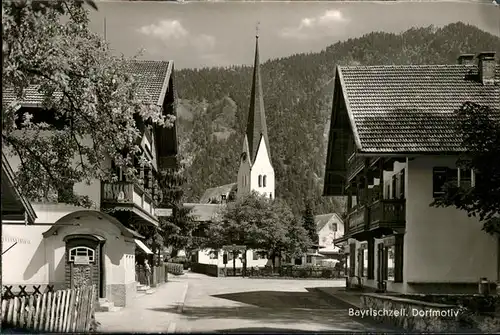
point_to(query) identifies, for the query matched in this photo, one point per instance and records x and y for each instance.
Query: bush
(175, 269)
(179, 260)
(327, 273)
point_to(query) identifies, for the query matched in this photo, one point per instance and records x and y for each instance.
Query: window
(256, 255)
(394, 187)
(439, 177)
(81, 251)
(270, 195)
(309, 259)
(389, 252)
(442, 175)
(365, 263)
(260, 180)
(387, 191)
(333, 226)
(223, 197)
(264, 181)
(465, 178)
(214, 254)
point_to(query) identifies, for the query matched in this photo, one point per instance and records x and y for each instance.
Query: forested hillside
(298, 95)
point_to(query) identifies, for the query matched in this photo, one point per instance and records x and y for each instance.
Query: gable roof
(203, 212)
(216, 192)
(323, 219)
(152, 78)
(410, 108)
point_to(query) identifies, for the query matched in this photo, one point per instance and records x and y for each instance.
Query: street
(197, 303)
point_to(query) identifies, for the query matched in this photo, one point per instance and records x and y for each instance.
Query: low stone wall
(412, 315)
(427, 313)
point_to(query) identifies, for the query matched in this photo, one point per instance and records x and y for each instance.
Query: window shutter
(398, 258)
(352, 259)
(439, 177)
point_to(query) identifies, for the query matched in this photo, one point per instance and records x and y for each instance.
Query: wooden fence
(157, 277)
(60, 311)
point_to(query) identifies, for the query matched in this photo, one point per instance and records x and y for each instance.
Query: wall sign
(82, 260)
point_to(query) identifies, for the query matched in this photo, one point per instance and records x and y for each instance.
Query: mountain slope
(298, 95)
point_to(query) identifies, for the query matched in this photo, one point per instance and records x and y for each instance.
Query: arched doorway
(85, 261)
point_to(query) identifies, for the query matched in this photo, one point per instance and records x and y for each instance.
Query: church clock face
(244, 156)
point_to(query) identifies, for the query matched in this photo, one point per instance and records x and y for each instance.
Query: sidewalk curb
(180, 308)
(338, 297)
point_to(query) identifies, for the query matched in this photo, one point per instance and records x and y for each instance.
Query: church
(256, 172)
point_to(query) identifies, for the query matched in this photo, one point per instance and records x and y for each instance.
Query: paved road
(196, 303)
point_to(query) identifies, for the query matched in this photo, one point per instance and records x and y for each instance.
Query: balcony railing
(356, 219)
(127, 193)
(388, 213)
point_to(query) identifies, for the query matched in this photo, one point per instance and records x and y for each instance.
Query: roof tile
(152, 78)
(409, 108)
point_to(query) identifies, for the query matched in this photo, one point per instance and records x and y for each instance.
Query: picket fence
(70, 310)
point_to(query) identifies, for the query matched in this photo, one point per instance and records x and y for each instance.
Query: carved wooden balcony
(388, 213)
(125, 195)
(356, 220)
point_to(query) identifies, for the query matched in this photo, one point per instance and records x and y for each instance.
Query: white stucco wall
(24, 263)
(43, 262)
(262, 167)
(442, 244)
(204, 258)
(326, 236)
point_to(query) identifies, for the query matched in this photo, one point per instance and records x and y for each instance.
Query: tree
(479, 127)
(309, 223)
(259, 223)
(92, 99)
(177, 229)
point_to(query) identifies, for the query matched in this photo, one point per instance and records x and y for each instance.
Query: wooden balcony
(128, 196)
(356, 220)
(388, 213)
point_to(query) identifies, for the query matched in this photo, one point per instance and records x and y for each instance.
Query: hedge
(175, 269)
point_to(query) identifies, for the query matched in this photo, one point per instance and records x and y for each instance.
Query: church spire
(256, 126)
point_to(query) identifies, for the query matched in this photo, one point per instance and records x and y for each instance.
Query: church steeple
(256, 126)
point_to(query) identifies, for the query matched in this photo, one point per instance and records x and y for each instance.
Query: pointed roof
(256, 126)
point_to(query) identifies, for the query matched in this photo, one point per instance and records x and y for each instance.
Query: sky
(199, 34)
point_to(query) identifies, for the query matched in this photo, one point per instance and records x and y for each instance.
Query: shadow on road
(309, 307)
(265, 330)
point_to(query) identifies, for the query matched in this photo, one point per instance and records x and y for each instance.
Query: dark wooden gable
(166, 138)
(340, 144)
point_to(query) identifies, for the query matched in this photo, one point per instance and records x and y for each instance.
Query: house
(392, 145)
(205, 214)
(71, 246)
(219, 194)
(330, 227)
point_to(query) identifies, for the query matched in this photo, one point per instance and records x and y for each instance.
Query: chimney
(486, 65)
(465, 59)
